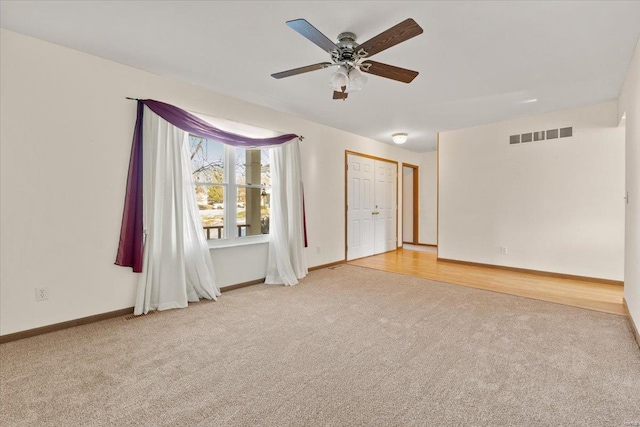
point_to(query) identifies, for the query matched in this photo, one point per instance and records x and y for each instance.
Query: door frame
(346, 193)
(415, 218)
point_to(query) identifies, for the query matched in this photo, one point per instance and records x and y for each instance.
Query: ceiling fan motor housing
(347, 45)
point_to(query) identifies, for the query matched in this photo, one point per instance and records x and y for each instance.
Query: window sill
(244, 241)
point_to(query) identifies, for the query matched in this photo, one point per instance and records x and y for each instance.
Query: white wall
(629, 104)
(65, 141)
(557, 205)
(428, 203)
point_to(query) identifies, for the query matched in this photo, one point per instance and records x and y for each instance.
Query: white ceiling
(478, 61)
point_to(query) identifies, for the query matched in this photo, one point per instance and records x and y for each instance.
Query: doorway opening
(410, 204)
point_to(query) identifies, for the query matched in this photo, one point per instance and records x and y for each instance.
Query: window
(232, 186)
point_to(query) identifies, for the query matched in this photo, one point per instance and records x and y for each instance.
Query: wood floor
(578, 293)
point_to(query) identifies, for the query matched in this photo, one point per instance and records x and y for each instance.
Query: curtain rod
(300, 137)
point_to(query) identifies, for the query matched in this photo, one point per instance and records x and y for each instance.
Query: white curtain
(286, 262)
(177, 266)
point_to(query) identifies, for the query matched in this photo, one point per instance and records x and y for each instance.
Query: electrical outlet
(42, 294)
(504, 250)
(319, 249)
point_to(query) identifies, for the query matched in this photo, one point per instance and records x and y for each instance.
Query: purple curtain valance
(130, 248)
(189, 123)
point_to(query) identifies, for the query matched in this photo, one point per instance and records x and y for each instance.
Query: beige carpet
(347, 347)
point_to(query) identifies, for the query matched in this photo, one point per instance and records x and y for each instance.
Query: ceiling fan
(352, 59)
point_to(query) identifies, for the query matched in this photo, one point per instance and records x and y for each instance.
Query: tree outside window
(233, 201)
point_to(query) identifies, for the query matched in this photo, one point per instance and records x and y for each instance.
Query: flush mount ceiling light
(529, 101)
(399, 138)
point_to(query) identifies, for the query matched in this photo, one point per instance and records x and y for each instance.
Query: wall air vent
(541, 135)
(566, 132)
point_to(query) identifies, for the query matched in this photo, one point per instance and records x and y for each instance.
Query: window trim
(238, 241)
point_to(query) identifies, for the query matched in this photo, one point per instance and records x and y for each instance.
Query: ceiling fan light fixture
(357, 80)
(399, 138)
(339, 78)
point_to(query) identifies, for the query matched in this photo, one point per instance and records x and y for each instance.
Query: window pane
(211, 204)
(207, 160)
(253, 211)
(252, 166)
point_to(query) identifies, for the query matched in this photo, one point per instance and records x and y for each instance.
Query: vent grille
(566, 132)
(541, 135)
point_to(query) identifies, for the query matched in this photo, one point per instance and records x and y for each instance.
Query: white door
(371, 206)
(385, 207)
(360, 202)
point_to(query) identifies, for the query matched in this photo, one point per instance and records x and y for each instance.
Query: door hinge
(626, 198)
